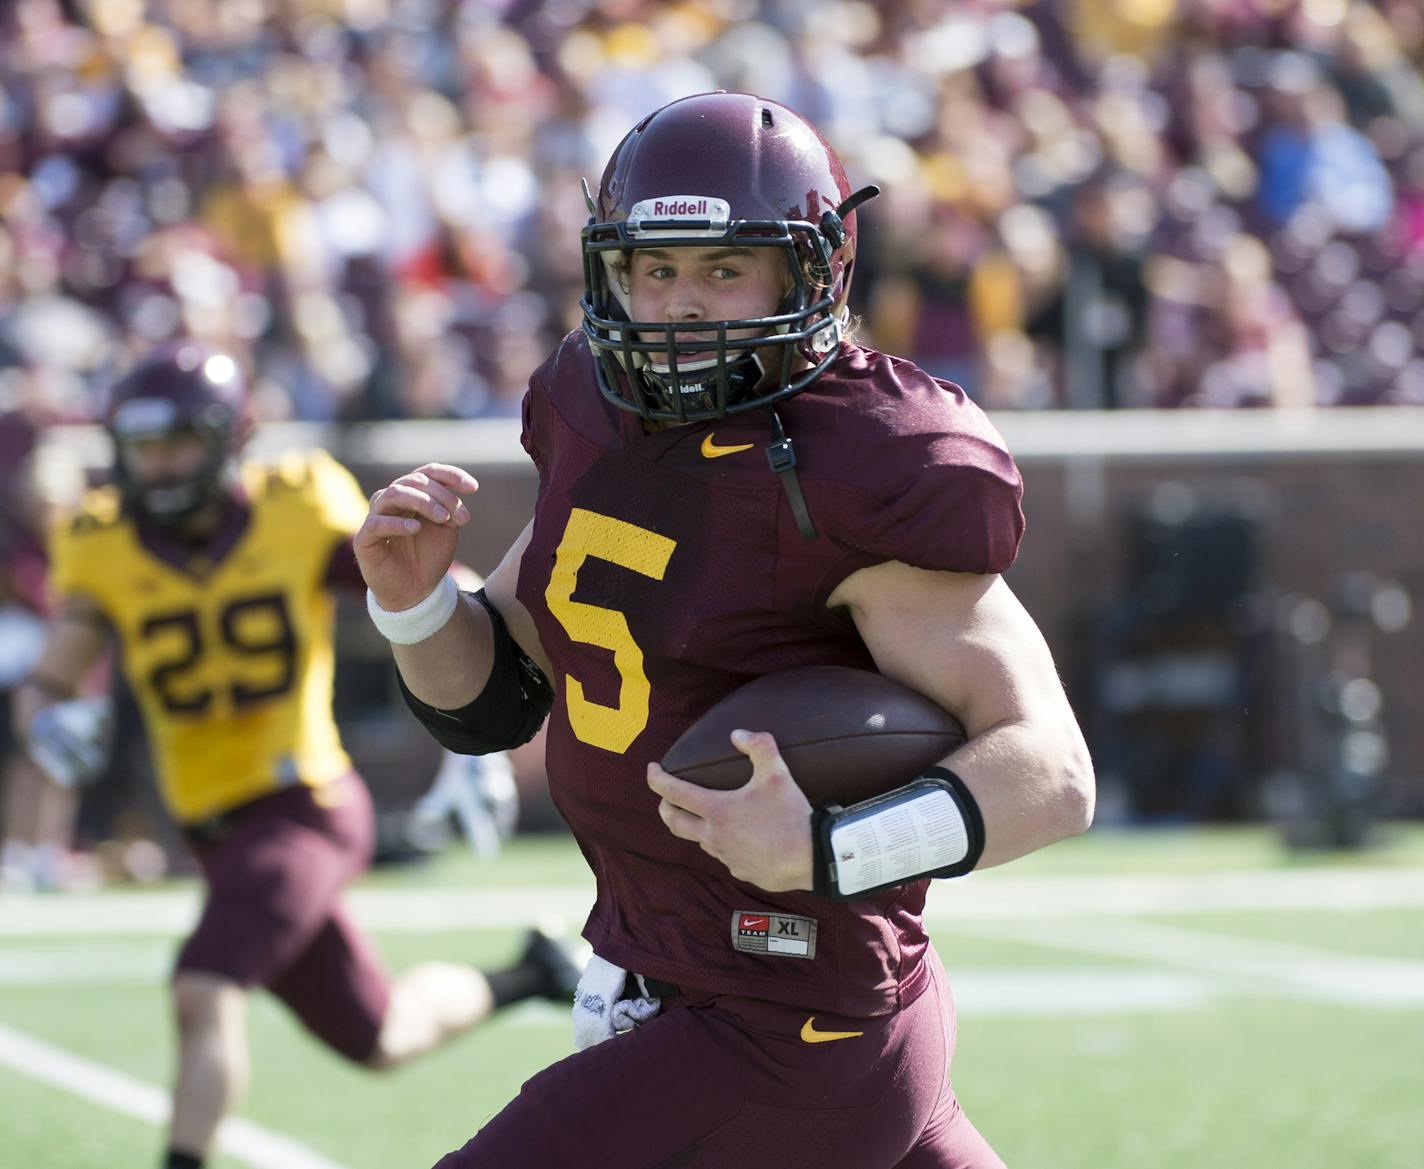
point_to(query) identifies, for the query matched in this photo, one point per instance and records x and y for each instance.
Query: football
(845, 734)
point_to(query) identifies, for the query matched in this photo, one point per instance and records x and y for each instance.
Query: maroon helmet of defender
(714, 170)
(185, 387)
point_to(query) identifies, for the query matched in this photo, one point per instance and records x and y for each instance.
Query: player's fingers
(379, 528)
(439, 492)
(680, 823)
(760, 747)
(452, 477)
(679, 792)
(404, 499)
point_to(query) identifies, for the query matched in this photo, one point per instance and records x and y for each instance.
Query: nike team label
(755, 932)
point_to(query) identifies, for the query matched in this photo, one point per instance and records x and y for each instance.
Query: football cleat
(560, 962)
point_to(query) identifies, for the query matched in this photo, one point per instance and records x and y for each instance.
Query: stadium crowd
(376, 202)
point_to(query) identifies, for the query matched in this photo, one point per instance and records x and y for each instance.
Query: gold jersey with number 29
(231, 658)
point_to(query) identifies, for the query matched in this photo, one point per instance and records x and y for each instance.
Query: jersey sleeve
(945, 512)
(336, 498)
(74, 566)
(529, 432)
(915, 473)
(66, 563)
(534, 417)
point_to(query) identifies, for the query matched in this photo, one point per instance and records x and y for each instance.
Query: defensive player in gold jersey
(215, 576)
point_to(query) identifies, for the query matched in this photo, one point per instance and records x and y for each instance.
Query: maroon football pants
(275, 870)
(717, 1082)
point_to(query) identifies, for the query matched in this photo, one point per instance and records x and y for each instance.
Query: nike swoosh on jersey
(710, 450)
(809, 1034)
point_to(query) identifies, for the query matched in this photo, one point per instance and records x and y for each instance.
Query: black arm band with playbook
(509, 710)
(931, 827)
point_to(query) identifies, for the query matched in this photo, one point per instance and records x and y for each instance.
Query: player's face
(705, 284)
(165, 458)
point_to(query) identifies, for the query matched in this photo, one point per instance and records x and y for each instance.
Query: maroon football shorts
(275, 870)
(720, 1082)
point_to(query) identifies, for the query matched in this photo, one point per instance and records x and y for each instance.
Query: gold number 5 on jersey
(589, 534)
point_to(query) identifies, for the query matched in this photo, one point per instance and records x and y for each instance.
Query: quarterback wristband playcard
(929, 828)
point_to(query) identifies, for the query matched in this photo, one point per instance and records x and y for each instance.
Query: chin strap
(782, 457)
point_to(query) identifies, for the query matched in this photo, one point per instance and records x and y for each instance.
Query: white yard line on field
(108, 961)
(993, 895)
(1077, 913)
(1002, 991)
(996, 891)
(238, 1138)
(1080, 913)
(1277, 967)
(172, 912)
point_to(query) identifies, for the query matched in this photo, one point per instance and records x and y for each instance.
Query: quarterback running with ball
(729, 486)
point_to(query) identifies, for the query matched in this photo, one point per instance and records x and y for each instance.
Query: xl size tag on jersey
(754, 932)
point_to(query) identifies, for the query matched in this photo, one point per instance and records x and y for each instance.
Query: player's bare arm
(963, 640)
(966, 641)
(64, 733)
(501, 588)
(74, 641)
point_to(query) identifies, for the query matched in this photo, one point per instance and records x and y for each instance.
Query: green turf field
(1142, 1001)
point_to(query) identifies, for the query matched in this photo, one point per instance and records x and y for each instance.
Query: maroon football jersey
(665, 570)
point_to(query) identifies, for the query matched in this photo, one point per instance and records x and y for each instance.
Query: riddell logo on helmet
(681, 207)
(670, 207)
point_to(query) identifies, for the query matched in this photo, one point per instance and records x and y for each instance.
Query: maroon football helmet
(719, 169)
(182, 387)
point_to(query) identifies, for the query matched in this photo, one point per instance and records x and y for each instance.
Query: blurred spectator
(1096, 317)
(1311, 156)
(370, 200)
(36, 816)
(1409, 211)
(1224, 334)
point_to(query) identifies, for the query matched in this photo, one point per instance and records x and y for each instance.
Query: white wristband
(421, 620)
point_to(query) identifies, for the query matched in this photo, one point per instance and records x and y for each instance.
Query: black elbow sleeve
(509, 710)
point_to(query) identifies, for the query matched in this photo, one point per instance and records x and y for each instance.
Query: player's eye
(723, 272)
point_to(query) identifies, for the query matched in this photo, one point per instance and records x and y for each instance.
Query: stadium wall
(1329, 492)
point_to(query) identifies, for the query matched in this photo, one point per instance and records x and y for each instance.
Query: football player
(216, 577)
(760, 1005)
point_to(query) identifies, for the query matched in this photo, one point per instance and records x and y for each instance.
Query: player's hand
(760, 831)
(407, 544)
(69, 740)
